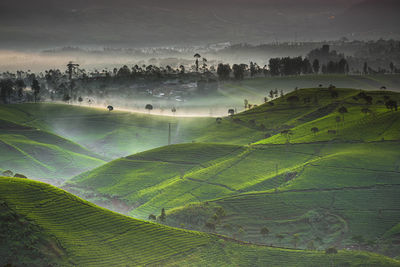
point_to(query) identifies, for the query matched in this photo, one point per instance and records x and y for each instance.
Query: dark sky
(48, 23)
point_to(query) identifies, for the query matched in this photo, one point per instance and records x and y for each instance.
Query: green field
(41, 154)
(361, 158)
(115, 134)
(260, 169)
(256, 89)
(77, 233)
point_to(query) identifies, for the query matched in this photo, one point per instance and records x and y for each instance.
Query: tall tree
(36, 88)
(316, 66)
(197, 56)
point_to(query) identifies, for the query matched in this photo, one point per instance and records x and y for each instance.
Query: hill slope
(91, 236)
(40, 154)
(115, 134)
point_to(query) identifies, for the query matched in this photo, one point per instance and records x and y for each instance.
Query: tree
(71, 69)
(6, 90)
(314, 130)
(365, 68)
(391, 65)
(163, 216)
(152, 217)
(210, 226)
(293, 99)
(316, 66)
(231, 112)
(246, 104)
(36, 88)
(149, 107)
(365, 111)
(80, 99)
(391, 104)
(223, 71)
(20, 86)
(287, 134)
(67, 98)
(173, 110)
(218, 120)
(331, 250)
(197, 56)
(264, 231)
(182, 69)
(7, 173)
(110, 108)
(18, 175)
(310, 245)
(274, 66)
(238, 71)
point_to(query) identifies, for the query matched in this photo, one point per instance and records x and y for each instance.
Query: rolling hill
(42, 155)
(65, 230)
(116, 134)
(325, 178)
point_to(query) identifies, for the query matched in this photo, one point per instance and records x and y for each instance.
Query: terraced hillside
(256, 88)
(115, 134)
(360, 158)
(82, 234)
(42, 155)
(177, 175)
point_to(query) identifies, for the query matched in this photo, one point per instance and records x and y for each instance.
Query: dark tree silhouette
(197, 56)
(365, 111)
(391, 104)
(264, 231)
(149, 107)
(36, 88)
(223, 71)
(110, 108)
(6, 90)
(293, 99)
(238, 71)
(316, 66)
(331, 250)
(314, 130)
(231, 112)
(163, 216)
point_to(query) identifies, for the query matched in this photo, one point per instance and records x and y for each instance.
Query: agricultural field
(257, 88)
(121, 133)
(262, 176)
(42, 155)
(78, 233)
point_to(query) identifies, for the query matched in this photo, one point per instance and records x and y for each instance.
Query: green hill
(362, 157)
(40, 154)
(68, 231)
(177, 175)
(255, 89)
(115, 134)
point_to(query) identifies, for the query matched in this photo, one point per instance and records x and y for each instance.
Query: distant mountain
(46, 23)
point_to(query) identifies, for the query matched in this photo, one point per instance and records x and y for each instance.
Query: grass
(115, 134)
(173, 176)
(42, 155)
(92, 236)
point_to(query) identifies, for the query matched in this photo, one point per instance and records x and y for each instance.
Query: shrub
(331, 250)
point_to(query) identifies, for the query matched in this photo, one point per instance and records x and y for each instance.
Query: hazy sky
(49, 23)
